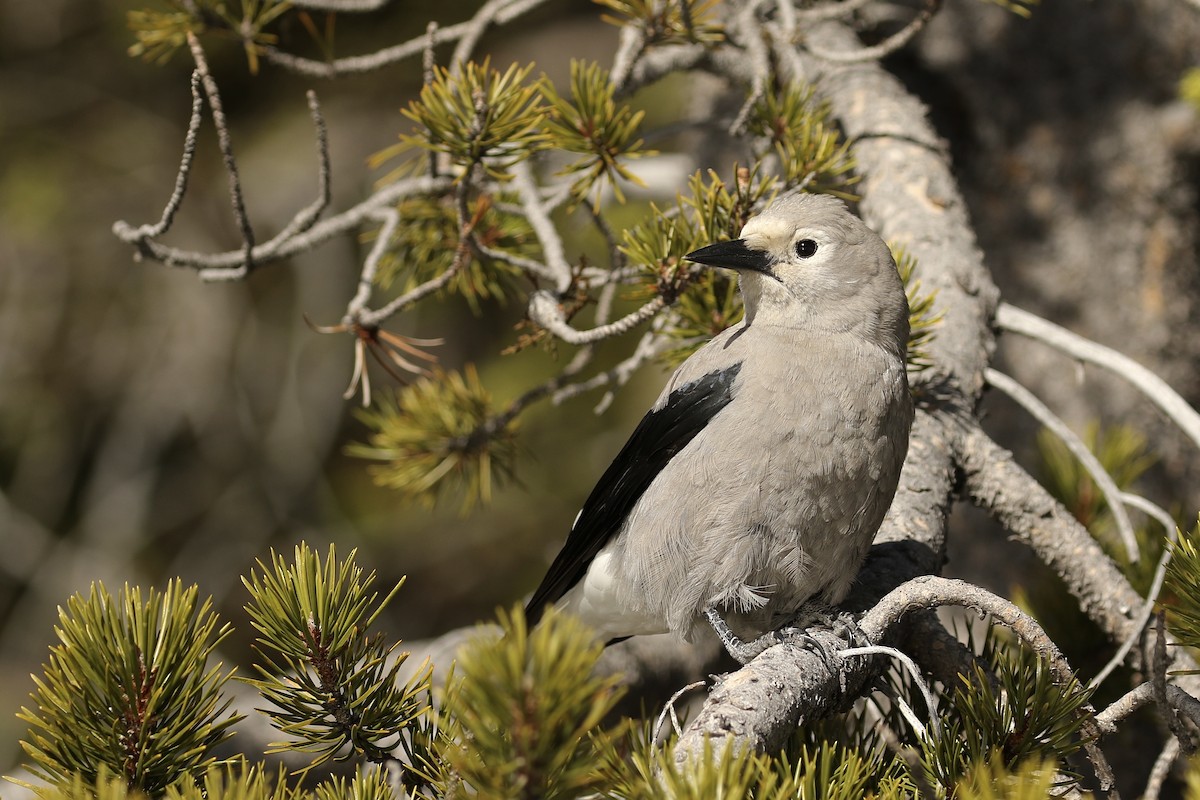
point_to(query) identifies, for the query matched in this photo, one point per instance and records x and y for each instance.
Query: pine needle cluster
(427, 239)
(437, 434)
(592, 124)
(159, 34)
(524, 719)
(479, 115)
(799, 130)
(1182, 589)
(923, 316)
(666, 23)
(335, 689)
(127, 690)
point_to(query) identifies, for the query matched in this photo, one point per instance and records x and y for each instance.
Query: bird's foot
(795, 632)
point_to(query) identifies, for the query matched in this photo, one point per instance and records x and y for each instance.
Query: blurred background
(153, 426)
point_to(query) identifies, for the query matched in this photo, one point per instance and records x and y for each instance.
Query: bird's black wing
(657, 439)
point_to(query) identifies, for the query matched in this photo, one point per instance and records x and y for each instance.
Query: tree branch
(1011, 318)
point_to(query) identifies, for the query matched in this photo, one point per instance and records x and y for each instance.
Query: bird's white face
(807, 262)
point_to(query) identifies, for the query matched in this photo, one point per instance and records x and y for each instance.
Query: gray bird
(758, 479)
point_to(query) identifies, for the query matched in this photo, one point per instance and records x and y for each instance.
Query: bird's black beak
(732, 255)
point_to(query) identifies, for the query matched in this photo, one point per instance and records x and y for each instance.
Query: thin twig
(462, 253)
(306, 217)
(389, 55)
(1158, 680)
(888, 46)
(143, 232)
(830, 10)
(756, 50)
(428, 62)
(225, 143)
(1108, 487)
(631, 45)
(545, 312)
(1011, 318)
(1161, 769)
(1160, 575)
(209, 265)
(484, 17)
(390, 219)
(341, 6)
(670, 708)
(537, 212)
(919, 728)
(1141, 696)
(648, 347)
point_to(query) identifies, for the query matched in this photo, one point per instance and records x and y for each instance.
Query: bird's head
(807, 262)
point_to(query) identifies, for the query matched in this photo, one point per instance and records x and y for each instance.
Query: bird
(755, 484)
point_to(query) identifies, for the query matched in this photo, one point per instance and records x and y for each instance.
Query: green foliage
(661, 23)
(523, 719)
(1025, 714)
(706, 301)
(824, 771)
(428, 236)
(127, 690)
(811, 151)
(922, 316)
(366, 785)
(335, 688)
(1022, 8)
(160, 33)
(993, 780)
(479, 116)
(437, 433)
(1183, 588)
(591, 124)
(1189, 87)
(237, 781)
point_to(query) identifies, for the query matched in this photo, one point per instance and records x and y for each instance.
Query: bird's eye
(806, 248)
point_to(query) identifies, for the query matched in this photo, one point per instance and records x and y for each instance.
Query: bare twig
(629, 50)
(1160, 575)
(1108, 487)
(341, 6)
(389, 55)
(225, 143)
(830, 10)
(306, 217)
(669, 708)
(914, 672)
(756, 49)
(537, 211)
(1161, 769)
(648, 347)
(1141, 696)
(484, 17)
(462, 253)
(545, 312)
(1158, 680)
(1011, 318)
(143, 232)
(888, 46)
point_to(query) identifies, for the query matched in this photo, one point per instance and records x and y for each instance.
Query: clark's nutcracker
(758, 479)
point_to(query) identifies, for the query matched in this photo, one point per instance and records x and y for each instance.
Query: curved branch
(885, 48)
(1108, 487)
(370, 62)
(545, 312)
(996, 483)
(1011, 318)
